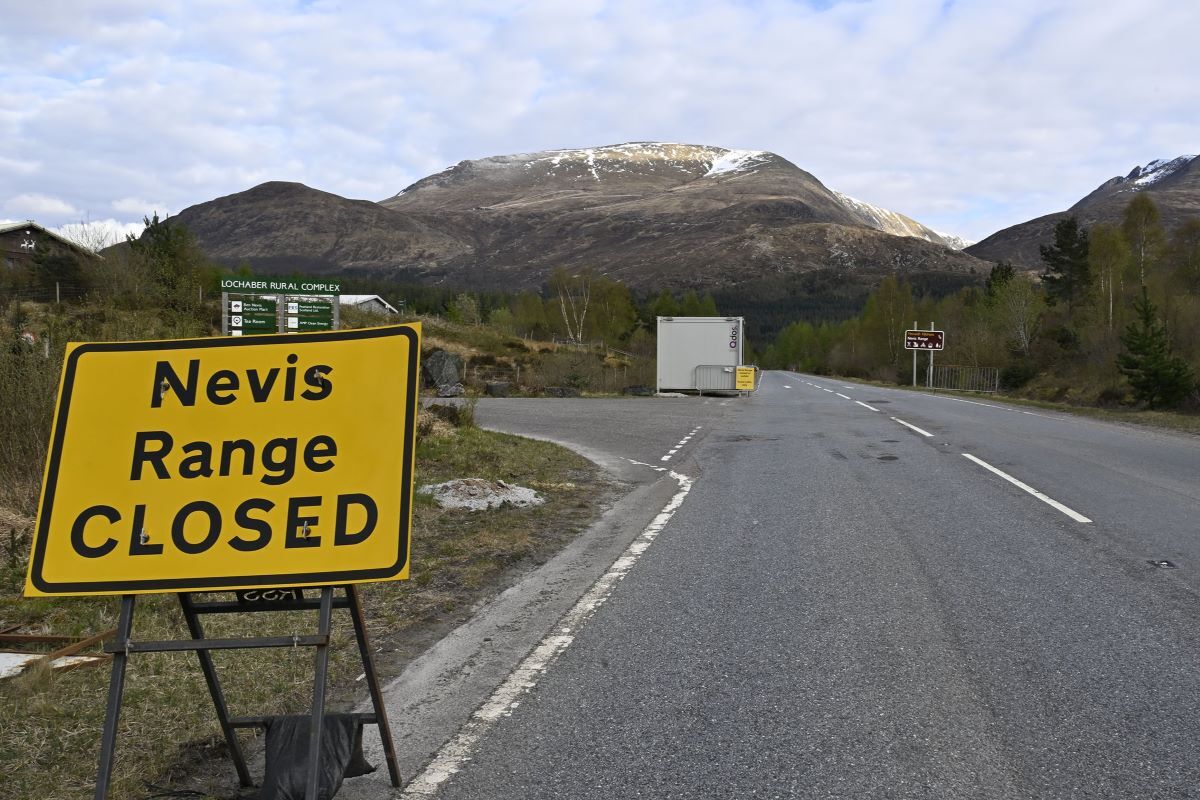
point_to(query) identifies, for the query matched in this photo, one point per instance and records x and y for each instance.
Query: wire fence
(60, 293)
(598, 346)
(965, 379)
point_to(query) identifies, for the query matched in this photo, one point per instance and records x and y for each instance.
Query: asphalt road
(844, 605)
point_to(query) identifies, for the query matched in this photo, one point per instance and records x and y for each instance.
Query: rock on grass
(477, 494)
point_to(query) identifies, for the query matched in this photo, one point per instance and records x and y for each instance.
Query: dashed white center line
(823, 389)
(839, 394)
(681, 443)
(1075, 515)
(913, 427)
(864, 405)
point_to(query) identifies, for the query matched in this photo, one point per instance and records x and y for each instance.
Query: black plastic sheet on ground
(287, 756)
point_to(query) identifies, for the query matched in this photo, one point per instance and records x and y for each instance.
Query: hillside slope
(1173, 184)
(653, 215)
(660, 215)
(287, 227)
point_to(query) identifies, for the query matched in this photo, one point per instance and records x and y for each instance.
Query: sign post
(232, 464)
(930, 340)
(914, 352)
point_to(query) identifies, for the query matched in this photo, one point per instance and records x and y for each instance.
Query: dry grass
(50, 722)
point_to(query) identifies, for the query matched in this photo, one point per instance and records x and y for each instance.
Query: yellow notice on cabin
(744, 379)
(231, 463)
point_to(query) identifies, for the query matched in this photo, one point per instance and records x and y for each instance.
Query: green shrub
(1018, 373)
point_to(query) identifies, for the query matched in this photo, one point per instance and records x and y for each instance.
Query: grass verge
(169, 741)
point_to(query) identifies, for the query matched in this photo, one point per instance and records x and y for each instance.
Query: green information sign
(244, 321)
(312, 309)
(252, 305)
(308, 324)
(279, 305)
(281, 285)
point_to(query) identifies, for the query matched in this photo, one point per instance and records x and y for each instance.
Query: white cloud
(968, 117)
(140, 208)
(33, 206)
(15, 166)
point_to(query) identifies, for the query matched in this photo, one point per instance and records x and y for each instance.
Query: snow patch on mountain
(1155, 171)
(619, 157)
(882, 219)
(737, 161)
(688, 158)
(955, 242)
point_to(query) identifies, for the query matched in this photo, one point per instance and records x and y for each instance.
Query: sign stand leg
(914, 360)
(318, 706)
(116, 687)
(368, 659)
(214, 688)
(929, 382)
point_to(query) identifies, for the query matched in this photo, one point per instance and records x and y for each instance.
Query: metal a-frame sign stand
(324, 316)
(274, 600)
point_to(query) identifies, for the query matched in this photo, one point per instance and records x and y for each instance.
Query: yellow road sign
(230, 463)
(744, 379)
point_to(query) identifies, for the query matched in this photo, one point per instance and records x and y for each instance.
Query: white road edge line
(1075, 515)
(839, 394)
(864, 405)
(914, 427)
(974, 403)
(458, 751)
(992, 405)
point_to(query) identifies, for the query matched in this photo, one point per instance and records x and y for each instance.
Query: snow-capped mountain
(588, 176)
(582, 176)
(1156, 171)
(650, 214)
(899, 225)
(1173, 184)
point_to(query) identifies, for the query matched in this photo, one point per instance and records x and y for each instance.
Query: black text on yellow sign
(215, 464)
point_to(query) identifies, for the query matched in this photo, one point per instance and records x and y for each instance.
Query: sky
(967, 115)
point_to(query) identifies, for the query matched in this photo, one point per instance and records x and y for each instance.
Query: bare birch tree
(574, 293)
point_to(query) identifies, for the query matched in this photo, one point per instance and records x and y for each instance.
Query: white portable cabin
(368, 302)
(699, 353)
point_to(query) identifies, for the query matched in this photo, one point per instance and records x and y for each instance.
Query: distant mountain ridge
(651, 214)
(1173, 184)
(651, 164)
(899, 225)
